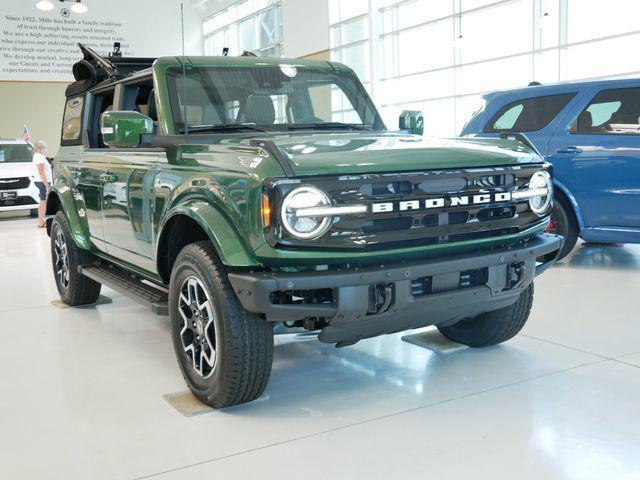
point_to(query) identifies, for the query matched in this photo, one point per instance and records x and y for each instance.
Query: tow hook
(380, 298)
(515, 275)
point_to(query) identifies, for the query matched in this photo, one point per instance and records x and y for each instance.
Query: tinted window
(612, 112)
(528, 115)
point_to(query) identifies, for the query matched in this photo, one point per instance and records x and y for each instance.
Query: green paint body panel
(119, 200)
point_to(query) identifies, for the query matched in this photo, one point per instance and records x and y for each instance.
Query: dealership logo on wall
(65, 12)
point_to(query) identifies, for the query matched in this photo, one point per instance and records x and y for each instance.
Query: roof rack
(95, 68)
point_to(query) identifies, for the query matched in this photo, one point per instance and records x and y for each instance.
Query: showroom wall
(38, 48)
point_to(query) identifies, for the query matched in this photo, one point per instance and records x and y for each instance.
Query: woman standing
(42, 177)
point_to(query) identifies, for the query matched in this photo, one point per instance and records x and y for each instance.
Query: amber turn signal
(266, 211)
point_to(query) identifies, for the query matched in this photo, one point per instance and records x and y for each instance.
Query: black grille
(422, 226)
(14, 183)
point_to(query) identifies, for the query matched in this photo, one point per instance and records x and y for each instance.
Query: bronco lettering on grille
(452, 201)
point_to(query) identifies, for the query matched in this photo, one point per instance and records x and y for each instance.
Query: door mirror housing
(412, 121)
(123, 129)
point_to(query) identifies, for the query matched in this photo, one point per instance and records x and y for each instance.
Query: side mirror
(123, 129)
(412, 121)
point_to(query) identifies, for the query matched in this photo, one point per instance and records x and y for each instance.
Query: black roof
(94, 69)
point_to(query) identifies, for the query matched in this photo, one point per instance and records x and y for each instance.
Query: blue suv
(590, 132)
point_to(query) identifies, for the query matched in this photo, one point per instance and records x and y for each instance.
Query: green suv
(241, 196)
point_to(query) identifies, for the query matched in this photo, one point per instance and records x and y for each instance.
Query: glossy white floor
(82, 391)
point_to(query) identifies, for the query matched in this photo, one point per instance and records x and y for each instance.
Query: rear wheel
(73, 287)
(494, 327)
(563, 223)
(224, 352)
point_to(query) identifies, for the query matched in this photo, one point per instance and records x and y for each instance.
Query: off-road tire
(566, 225)
(243, 340)
(494, 327)
(80, 290)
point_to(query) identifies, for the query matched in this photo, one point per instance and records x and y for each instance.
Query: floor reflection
(592, 255)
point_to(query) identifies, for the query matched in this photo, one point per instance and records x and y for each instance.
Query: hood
(16, 169)
(365, 152)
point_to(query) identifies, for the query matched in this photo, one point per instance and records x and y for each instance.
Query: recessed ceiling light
(79, 7)
(44, 5)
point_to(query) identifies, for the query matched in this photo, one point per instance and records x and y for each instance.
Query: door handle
(570, 150)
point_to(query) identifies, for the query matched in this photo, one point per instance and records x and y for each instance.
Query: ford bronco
(241, 194)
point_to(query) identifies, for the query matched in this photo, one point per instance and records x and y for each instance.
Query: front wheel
(224, 352)
(563, 223)
(73, 287)
(494, 327)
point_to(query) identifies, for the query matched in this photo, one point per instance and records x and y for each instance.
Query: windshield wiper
(322, 125)
(222, 128)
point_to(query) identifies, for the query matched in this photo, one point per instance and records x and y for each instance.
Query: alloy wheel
(197, 328)
(61, 259)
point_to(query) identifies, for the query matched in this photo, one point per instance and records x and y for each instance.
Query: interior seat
(259, 109)
(585, 122)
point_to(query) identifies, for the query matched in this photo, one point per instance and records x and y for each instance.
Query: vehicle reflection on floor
(597, 255)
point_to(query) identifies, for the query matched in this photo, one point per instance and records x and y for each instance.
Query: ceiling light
(79, 7)
(44, 5)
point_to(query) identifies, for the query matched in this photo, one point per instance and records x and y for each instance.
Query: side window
(72, 121)
(528, 115)
(611, 112)
(101, 102)
(136, 96)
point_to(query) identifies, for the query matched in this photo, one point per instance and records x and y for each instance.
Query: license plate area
(8, 195)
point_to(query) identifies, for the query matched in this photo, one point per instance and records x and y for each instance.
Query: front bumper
(349, 315)
(27, 199)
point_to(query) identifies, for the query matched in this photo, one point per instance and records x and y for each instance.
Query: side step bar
(129, 285)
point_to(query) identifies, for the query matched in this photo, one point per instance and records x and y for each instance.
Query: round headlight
(539, 204)
(305, 227)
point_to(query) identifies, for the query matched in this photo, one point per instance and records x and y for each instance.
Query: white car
(17, 189)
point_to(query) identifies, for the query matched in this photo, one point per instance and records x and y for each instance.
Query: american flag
(25, 135)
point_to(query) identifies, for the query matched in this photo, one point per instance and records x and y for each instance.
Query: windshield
(269, 98)
(14, 153)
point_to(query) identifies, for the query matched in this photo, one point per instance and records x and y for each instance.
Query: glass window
(425, 48)
(355, 30)
(341, 10)
(612, 112)
(16, 152)
(589, 19)
(72, 123)
(599, 59)
(421, 11)
(508, 118)
(513, 33)
(267, 96)
(252, 25)
(528, 115)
